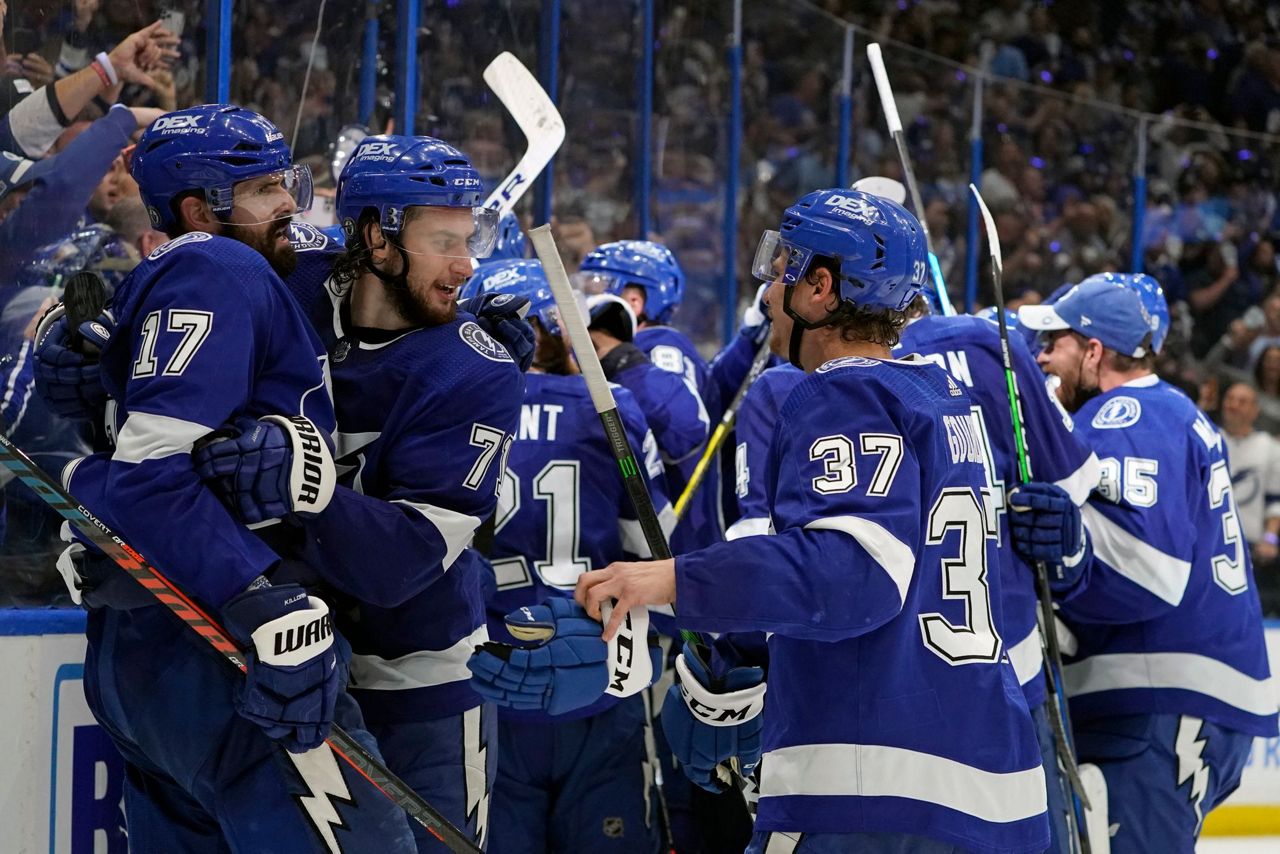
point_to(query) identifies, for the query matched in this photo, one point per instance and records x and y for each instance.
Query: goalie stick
(890, 109)
(132, 562)
(538, 119)
(1060, 715)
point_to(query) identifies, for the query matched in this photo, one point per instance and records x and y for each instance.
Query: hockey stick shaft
(1060, 717)
(889, 106)
(169, 595)
(723, 429)
(538, 119)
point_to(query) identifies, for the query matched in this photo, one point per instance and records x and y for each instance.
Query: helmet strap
(397, 280)
(800, 324)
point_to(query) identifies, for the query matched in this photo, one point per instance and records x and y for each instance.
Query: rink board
(61, 782)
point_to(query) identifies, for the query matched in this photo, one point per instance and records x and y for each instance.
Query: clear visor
(775, 257)
(451, 232)
(594, 282)
(273, 197)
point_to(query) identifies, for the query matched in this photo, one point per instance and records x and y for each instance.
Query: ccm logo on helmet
(176, 122)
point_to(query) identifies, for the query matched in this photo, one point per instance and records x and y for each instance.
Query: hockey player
(753, 432)
(1168, 674)
(648, 276)
(206, 332)
(894, 720)
(969, 349)
(573, 775)
(427, 404)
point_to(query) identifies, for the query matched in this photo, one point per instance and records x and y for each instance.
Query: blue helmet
(211, 147)
(878, 245)
(521, 277)
(1152, 300)
(642, 263)
(511, 240)
(390, 173)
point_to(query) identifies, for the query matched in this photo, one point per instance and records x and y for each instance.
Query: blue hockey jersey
(969, 349)
(753, 433)
(891, 705)
(206, 332)
(425, 418)
(1166, 615)
(672, 351)
(563, 508)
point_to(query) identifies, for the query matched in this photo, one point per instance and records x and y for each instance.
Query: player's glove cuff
(728, 707)
(312, 474)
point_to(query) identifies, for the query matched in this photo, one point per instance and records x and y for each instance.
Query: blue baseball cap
(1106, 310)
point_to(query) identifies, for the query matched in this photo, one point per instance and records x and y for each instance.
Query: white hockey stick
(539, 121)
(890, 109)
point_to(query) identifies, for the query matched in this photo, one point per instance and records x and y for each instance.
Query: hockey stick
(1061, 715)
(132, 562)
(890, 109)
(539, 121)
(723, 428)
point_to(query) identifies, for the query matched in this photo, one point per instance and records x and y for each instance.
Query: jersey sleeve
(673, 413)
(848, 529)
(190, 367)
(442, 468)
(731, 365)
(753, 432)
(1054, 450)
(1140, 523)
(645, 448)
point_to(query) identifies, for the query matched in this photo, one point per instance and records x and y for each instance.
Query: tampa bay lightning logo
(190, 237)
(1117, 412)
(848, 362)
(306, 237)
(477, 339)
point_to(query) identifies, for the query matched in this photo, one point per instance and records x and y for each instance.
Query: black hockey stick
(725, 426)
(132, 562)
(1060, 716)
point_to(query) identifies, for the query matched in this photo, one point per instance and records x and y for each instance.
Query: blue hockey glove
(293, 675)
(502, 316)
(1045, 525)
(272, 468)
(68, 381)
(566, 671)
(711, 719)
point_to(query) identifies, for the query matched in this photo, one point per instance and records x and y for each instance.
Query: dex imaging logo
(854, 208)
(176, 123)
(371, 150)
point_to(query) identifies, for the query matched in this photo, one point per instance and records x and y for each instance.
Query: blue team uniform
(892, 706)
(206, 332)
(578, 781)
(757, 416)
(425, 417)
(672, 351)
(1169, 679)
(969, 349)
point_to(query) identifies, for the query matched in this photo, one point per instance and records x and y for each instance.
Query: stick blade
(538, 119)
(993, 238)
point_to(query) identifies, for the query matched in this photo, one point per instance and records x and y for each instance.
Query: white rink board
(60, 782)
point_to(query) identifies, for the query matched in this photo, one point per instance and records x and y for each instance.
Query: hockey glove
(567, 670)
(273, 468)
(293, 678)
(755, 320)
(68, 381)
(709, 720)
(502, 316)
(1045, 525)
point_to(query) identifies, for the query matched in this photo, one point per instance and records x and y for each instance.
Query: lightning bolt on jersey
(753, 433)
(425, 417)
(1166, 615)
(672, 351)
(206, 331)
(969, 349)
(563, 508)
(891, 705)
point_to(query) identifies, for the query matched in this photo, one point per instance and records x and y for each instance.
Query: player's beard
(1072, 392)
(264, 239)
(420, 310)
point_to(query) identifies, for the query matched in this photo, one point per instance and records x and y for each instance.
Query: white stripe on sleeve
(1145, 565)
(1183, 671)
(154, 437)
(893, 555)
(456, 529)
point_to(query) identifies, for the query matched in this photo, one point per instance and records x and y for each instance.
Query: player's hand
(502, 316)
(565, 671)
(269, 468)
(68, 380)
(37, 70)
(293, 678)
(1045, 525)
(632, 583)
(710, 718)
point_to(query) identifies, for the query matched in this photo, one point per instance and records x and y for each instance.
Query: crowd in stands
(1069, 90)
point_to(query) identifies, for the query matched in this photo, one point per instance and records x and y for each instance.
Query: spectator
(1255, 481)
(1267, 376)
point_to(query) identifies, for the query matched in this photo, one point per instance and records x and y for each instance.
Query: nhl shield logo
(477, 339)
(613, 827)
(341, 349)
